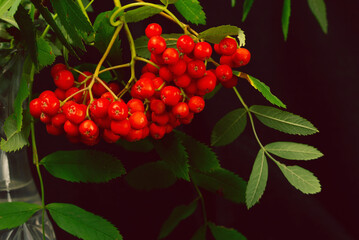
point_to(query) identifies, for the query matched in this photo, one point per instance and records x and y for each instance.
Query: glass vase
(16, 181)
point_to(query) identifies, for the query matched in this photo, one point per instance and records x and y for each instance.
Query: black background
(314, 74)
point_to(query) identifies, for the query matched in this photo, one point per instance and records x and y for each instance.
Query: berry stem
(147, 61)
(83, 9)
(115, 67)
(106, 87)
(72, 95)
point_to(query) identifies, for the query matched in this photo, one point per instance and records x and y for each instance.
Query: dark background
(314, 74)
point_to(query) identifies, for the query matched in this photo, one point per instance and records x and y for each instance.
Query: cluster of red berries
(168, 93)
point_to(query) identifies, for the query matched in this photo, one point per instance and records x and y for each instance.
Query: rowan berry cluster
(168, 93)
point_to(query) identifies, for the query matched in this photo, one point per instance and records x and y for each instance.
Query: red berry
(170, 95)
(153, 29)
(108, 96)
(178, 68)
(188, 119)
(85, 75)
(77, 97)
(185, 44)
(151, 68)
(56, 68)
(118, 110)
(160, 119)
(158, 84)
(144, 88)
(166, 74)
(45, 118)
(196, 68)
(49, 103)
(157, 132)
(196, 104)
(134, 135)
(202, 50)
(191, 89)
(60, 94)
(241, 57)
(206, 84)
(157, 58)
(226, 60)
(157, 106)
(170, 56)
(228, 46)
(76, 113)
(217, 49)
(89, 129)
(35, 107)
(135, 105)
(148, 75)
(110, 136)
(115, 87)
(180, 110)
(58, 120)
(231, 82)
(156, 44)
(52, 130)
(121, 127)
(224, 73)
(98, 89)
(104, 123)
(183, 80)
(138, 120)
(71, 129)
(64, 79)
(99, 107)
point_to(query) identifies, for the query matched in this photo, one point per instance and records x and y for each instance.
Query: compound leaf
(283, 121)
(45, 54)
(300, 178)
(172, 151)
(285, 18)
(13, 214)
(141, 13)
(258, 180)
(223, 182)
(15, 139)
(83, 166)
(318, 8)
(229, 127)
(81, 223)
(178, 214)
(293, 151)
(149, 176)
(201, 157)
(223, 233)
(191, 10)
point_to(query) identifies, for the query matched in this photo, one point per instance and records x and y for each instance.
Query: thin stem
(133, 52)
(115, 67)
(72, 95)
(106, 87)
(89, 4)
(202, 203)
(47, 27)
(83, 9)
(147, 61)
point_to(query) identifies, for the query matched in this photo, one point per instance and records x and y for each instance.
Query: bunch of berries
(167, 94)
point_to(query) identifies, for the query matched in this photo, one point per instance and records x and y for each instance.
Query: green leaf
(172, 151)
(25, 72)
(83, 166)
(141, 13)
(141, 44)
(45, 54)
(49, 19)
(13, 214)
(285, 18)
(27, 31)
(265, 90)
(247, 5)
(293, 151)
(229, 127)
(15, 139)
(178, 214)
(318, 8)
(223, 233)
(192, 11)
(221, 181)
(201, 157)
(165, 2)
(300, 178)
(283, 121)
(200, 234)
(143, 145)
(258, 180)
(82, 224)
(103, 34)
(8, 7)
(73, 20)
(216, 34)
(14, 8)
(149, 176)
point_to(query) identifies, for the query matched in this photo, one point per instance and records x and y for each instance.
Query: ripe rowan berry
(202, 50)
(138, 120)
(196, 68)
(64, 79)
(228, 46)
(35, 107)
(99, 107)
(56, 68)
(156, 44)
(241, 57)
(135, 105)
(121, 128)
(157, 132)
(180, 110)
(196, 104)
(118, 110)
(224, 73)
(153, 29)
(178, 68)
(110, 136)
(170, 95)
(170, 56)
(144, 88)
(185, 44)
(89, 129)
